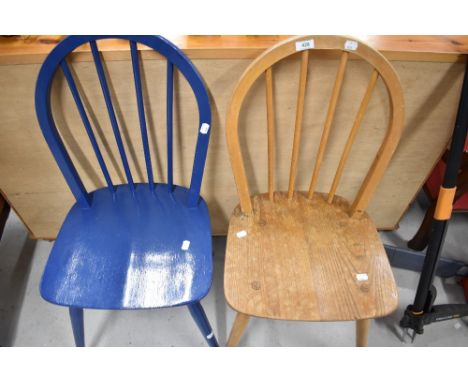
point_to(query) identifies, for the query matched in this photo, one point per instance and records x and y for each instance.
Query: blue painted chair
(133, 245)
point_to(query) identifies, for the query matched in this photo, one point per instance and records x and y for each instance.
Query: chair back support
(304, 46)
(175, 60)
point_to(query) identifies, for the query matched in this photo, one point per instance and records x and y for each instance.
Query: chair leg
(4, 212)
(238, 328)
(362, 332)
(199, 316)
(76, 317)
(421, 238)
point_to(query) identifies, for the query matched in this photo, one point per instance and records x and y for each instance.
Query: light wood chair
(310, 256)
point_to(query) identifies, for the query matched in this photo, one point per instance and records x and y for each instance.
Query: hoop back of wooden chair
(175, 58)
(303, 45)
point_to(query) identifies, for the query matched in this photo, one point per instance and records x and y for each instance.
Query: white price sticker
(303, 45)
(204, 128)
(351, 45)
(241, 234)
(362, 277)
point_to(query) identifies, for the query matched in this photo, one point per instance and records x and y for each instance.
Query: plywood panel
(32, 183)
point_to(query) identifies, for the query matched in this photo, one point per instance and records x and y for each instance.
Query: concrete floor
(27, 320)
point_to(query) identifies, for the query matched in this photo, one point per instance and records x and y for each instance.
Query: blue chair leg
(76, 317)
(198, 314)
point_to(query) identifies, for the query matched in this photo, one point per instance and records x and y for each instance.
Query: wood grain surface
(287, 49)
(33, 48)
(300, 260)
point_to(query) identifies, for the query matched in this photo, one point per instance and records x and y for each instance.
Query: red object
(464, 284)
(434, 182)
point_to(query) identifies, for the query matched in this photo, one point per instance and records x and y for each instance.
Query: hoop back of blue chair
(175, 58)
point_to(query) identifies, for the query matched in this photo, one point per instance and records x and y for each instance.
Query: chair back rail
(305, 45)
(298, 123)
(169, 114)
(141, 112)
(271, 132)
(175, 60)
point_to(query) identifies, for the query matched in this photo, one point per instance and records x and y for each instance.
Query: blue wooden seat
(127, 253)
(133, 245)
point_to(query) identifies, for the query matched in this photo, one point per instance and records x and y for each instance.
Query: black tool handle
(439, 225)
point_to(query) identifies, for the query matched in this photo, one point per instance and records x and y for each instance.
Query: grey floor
(27, 320)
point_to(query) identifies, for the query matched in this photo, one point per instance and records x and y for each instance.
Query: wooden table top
(33, 49)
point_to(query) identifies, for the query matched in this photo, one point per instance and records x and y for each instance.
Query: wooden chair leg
(362, 332)
(199, 316)
(4, 211)
(76, 317)
(240, 323)
(421, 238)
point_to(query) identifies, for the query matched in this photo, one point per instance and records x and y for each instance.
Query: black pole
(439, 227)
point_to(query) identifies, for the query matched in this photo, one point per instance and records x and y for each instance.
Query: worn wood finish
(286, 49)
(352, 135)
(271, 133)
(362, 332)
(301, 256)
(34, 187)
(300, 260)
(238, 328)
(328, 122)
(298, 123)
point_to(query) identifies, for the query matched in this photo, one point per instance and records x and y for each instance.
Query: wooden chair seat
(306, 259)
